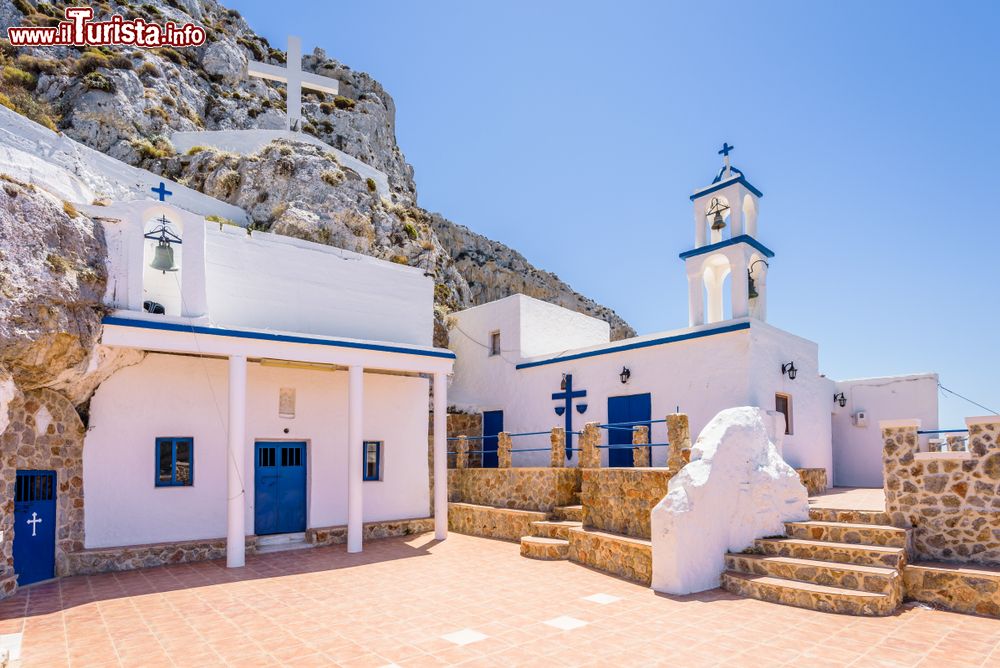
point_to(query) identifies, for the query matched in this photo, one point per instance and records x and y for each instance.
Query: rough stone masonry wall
(619, 500)
(45, 433)
(970, 590)
(522, 488)
(952, 500)
(814, 480)
(105, 560)
(459, 424)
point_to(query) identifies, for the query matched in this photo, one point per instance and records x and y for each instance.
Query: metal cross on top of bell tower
(724, 152)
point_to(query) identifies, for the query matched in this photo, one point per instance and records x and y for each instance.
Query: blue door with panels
(630, 408)
(34, 526)
(279, 487)
(492, 425)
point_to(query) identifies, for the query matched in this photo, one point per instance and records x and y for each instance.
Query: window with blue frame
(175, 462)
(373, 460)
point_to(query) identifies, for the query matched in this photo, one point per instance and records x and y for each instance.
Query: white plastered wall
(857, 451)
(168, 395)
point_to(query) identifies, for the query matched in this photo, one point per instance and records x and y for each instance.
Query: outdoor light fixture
(562, 385)
(751, 287)
(840, 399)
(163, 255)
(790, 370)
(625, 374)
(715, 210)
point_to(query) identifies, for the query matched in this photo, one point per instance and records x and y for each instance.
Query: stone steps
(873, 579)
(843, 553)
(541, 547)
(809, 595)
(623, 556)
(554, 528)
(843, 532)
(849, 516)
(568, 513)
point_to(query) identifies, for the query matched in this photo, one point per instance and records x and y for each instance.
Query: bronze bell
(717, 222)
(163, 257)
(751, 287)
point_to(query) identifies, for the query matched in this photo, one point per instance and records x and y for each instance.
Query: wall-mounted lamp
(840, 399)
(751, 287)
(715, 209)
(163, 254)
(790, 370)
(625, 374)
(562, 385)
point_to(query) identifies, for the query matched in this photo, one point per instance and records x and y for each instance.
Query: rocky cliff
(128, 102)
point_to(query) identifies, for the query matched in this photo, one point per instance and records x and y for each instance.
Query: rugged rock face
(127, 103)
(52, 280)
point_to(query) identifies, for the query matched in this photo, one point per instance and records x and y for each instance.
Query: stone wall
(337, 535)
(502, 523)
(44, 433)
(950, 499)
(814, 480)
(619, 500)
(629, 558)
(523, 488)
(107, 559)
(970, 590)
(459, 424)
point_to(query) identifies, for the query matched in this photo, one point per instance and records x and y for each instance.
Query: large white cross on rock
(295, 78)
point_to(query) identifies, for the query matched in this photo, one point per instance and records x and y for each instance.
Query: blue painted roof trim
(725, 184)
(640, 344)
(741, 239)
(276, 338)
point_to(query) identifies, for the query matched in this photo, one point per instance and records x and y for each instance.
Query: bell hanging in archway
(717, 222)
(163, 257)
(751, 287)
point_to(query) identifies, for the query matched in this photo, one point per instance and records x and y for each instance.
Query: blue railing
(942, 431)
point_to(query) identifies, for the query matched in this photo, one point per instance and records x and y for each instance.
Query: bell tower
(726, 248)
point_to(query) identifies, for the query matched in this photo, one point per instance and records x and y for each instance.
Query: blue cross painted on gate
(726, 148)
(162, 191)
(568, 394)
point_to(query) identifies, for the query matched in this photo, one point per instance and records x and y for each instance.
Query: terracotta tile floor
(396, 601)
(850, 498)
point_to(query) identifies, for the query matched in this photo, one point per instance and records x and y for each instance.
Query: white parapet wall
(75, 173)
(247, 142)
(735, 488)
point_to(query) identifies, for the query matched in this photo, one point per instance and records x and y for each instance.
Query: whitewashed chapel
(285, 387)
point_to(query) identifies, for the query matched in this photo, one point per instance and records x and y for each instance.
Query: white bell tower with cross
(726, 248)
(295, 80)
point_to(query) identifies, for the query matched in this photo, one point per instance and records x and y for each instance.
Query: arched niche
(162, 287)
(749, 215)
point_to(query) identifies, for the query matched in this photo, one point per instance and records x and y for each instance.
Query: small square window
(494, 343)
(373, 460)
(175, 462)
(783, 404)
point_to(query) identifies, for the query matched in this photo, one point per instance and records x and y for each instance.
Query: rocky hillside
(128, 102)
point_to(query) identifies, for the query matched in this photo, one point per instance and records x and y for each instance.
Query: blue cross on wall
(162, 191)
(567, 410)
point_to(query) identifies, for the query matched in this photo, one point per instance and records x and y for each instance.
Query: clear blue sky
(575, 131)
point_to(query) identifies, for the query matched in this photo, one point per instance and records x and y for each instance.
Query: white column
(696, 299)
(440, 456)
(236, 490)
(739, 296)
(293, 65)
(699, 224)
(355, 463)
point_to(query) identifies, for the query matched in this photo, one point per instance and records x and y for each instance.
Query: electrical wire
(974, 403)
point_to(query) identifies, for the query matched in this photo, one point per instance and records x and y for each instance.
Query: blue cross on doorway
(566, 410)
(162, 191)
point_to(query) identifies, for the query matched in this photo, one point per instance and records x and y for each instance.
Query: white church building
(528, 365)
(285, 387)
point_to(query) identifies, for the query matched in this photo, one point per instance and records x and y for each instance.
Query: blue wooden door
(630, 408)
(492, 425)
(279, 488)
(34, 526)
